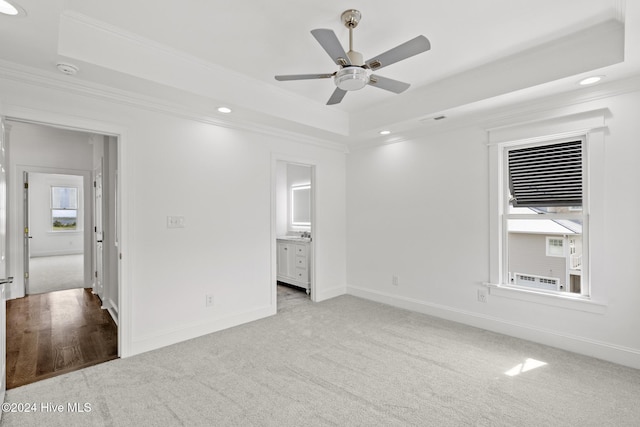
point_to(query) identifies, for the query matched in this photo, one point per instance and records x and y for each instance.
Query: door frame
(20, 215)
(275, 159)
(47, 118)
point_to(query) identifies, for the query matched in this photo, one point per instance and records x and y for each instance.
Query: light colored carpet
(55, 273)
(343, 362)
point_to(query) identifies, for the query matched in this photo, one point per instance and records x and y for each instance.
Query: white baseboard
(112, 308)
(56, 253)
(330, 293)
(582, 345)
(194, 330)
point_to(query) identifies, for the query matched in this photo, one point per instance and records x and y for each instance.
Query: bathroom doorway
(294, 232)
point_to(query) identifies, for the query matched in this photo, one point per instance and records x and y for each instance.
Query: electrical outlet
(175, 222)
(395, 280)
(482, 295)
(208, 300)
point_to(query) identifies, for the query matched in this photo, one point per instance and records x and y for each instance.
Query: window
(544, 220)
(555, 246)
(64, 208)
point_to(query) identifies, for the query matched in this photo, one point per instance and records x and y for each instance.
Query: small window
(64, 208)
(555, 247)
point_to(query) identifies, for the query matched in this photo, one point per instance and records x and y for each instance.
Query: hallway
(53, 333)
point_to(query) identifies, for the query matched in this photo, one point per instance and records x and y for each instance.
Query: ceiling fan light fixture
(351, 78)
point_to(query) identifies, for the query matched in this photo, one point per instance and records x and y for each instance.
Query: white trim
(325, 294)
(125, 203)
(197, 329)
(315, 226)
(535, 131)
(555, 299)
(577, 344)
(35, 77)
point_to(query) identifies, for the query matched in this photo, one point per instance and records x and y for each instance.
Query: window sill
(64, 232)
(579, 303)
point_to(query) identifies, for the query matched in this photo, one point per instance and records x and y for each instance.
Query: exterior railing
(575, 262)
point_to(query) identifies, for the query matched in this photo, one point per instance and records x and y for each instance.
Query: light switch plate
(175, 222)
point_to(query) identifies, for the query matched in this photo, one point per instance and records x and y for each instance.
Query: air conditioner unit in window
(538, 282)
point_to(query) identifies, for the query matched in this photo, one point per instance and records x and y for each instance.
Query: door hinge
(94, 184)
(96, 274)
(26, 185)
(26, 275)
(120, 255)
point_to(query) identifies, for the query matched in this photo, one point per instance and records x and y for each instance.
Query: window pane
(545, 254)
(544, 209)
(546, 175)
(64, 220)
(64, 198)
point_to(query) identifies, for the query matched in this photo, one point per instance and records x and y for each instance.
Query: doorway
(54, 198)
(54, 226)
(294, 217)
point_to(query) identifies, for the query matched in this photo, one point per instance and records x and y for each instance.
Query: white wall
(420, 209)
(43, 149)
(44, 241)
(218, 178)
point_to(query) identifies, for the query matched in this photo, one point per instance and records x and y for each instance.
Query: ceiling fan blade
(330, 43)
(385, 83)
(405, 50)
(337, 96)
(303, 77)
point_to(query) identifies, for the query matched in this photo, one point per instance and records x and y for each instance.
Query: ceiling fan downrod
(351, 19)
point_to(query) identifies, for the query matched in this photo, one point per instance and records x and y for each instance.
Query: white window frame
(545, 127)
(504, 280)
(52, 209)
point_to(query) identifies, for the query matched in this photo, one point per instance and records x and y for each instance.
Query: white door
(98, 286)
(4, 279)
(26, 231)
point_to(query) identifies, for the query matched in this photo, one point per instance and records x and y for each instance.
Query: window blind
(546, 175)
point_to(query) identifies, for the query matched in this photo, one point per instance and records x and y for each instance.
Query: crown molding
(505, 115)
(48, 80)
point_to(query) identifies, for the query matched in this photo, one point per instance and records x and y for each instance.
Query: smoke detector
(68, 69)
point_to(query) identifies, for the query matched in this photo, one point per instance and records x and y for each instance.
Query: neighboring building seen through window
(544, 216)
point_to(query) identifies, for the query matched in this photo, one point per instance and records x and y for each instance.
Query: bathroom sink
(296, 238)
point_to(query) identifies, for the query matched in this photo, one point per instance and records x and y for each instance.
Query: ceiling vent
(68, 69)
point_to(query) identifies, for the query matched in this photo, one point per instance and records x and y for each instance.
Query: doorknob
(7, 280)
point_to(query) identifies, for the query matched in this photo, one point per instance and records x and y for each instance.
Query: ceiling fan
(354, 73)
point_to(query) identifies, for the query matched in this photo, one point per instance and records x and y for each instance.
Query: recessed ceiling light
(7, 8)
(224, 110)
(590, 80)
(385, 132)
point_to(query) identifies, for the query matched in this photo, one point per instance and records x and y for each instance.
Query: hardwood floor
(54, 333)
